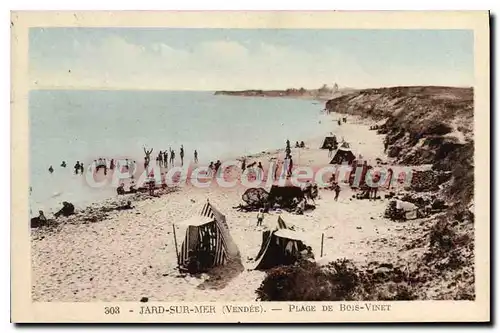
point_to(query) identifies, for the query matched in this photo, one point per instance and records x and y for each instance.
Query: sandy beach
(131, 254)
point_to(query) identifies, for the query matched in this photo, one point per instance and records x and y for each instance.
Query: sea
(73, 125)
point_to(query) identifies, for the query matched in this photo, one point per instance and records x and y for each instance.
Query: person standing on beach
(217, 167)
(337, 191)
(210, 169)
(276, 167)
(284, 167)
(386, 144)
(260, 217)
(261, 171)
(181, 154)
(51, 169)
(195, 156)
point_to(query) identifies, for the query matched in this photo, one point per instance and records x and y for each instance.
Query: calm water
(84, 125)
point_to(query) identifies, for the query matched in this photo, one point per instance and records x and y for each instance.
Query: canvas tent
(330, 141)
(285, 195)
(343, 155)
(280, 246)
(207, 241)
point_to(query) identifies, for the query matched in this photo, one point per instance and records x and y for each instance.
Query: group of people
(341, 120)
(213, 168)
(164, 158)
(78, 167)
(300, 145)
(41, 220)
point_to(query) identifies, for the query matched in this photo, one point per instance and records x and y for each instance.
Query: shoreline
(82, 205)
(129, 254)
(132, 251)
(265, 156)
(322, 99)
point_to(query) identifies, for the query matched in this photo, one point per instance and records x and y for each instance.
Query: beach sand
(131, 254)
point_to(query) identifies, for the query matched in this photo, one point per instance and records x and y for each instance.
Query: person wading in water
(172, 157)
(165, 159)
(148, 154)
(77, 167)
(160, 158)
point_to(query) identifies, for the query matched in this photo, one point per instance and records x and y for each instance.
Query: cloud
(115, 63)
(223, 49)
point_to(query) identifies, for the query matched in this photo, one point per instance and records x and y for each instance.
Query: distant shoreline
(290, 93)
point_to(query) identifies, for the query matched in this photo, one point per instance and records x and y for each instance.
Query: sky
(235, 59)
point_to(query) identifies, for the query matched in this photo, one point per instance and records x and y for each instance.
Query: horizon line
(56, 88)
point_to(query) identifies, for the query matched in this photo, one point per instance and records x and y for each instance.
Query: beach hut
(207, 242)
(343, 154)
(280, 246)
(330, 141)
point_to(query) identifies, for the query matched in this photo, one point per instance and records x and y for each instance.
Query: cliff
(435, 253)
(423, 125)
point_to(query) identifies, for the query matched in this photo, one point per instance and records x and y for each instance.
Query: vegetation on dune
(341, 280)
(443, 270)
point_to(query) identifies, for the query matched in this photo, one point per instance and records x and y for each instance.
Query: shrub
(304, 281)
(442, 235)
(341, 280)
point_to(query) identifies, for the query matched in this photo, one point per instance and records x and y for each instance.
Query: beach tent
(207, 239)
(284, 195)
(280, 246)
(343, 154)
(330, 141)
(410, 210)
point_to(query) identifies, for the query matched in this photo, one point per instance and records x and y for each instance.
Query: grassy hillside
(424, 125)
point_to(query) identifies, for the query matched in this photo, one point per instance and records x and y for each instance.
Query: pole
(322, 239)
(176, 250)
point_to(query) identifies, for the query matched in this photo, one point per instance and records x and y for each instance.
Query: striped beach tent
(207, 242)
